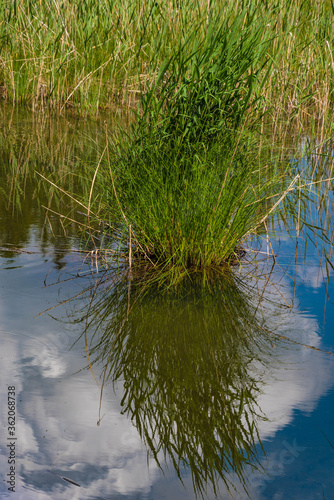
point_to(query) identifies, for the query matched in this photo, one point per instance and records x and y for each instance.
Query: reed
(184, 185)
(91, 54)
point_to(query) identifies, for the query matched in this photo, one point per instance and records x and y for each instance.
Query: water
(178, 377)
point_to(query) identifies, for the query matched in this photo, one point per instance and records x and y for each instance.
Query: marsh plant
(93, 54)
(183, 188)
(186, 186)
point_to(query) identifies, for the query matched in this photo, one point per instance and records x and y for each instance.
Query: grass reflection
(187, 361)
(57, 148)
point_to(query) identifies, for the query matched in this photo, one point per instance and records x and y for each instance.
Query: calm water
(186, 395)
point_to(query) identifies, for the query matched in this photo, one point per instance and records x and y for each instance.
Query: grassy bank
(92, 54)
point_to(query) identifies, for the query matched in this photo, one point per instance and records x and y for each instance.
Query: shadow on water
(189, 361)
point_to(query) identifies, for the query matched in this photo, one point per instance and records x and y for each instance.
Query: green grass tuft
(184, 186)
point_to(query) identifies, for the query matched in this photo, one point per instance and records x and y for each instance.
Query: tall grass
(188, 184)
(183, 188)
(90, 54)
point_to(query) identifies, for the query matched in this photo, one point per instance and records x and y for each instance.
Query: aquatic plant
(184, 188)
(189, 183)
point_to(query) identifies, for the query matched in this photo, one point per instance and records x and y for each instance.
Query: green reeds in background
(97, 53)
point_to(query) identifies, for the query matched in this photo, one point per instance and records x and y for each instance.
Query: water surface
(194, 389)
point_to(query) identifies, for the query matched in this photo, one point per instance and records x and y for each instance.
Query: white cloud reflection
(58, 410)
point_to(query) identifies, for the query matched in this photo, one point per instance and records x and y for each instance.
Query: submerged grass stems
(185, 184)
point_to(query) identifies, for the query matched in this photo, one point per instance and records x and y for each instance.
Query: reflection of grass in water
(47, 144)
(332, 446)
(328, 441)
(185, 360)
(51, 146)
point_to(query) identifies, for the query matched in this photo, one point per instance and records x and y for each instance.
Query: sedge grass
(184, 185)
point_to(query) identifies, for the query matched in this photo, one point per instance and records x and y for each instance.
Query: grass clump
(184, 185)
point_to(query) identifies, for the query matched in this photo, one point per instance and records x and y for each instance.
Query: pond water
(190, 405)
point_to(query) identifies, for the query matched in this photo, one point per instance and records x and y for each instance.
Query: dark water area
(201, 392)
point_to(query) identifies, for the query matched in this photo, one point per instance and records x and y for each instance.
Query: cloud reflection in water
(182, 363)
